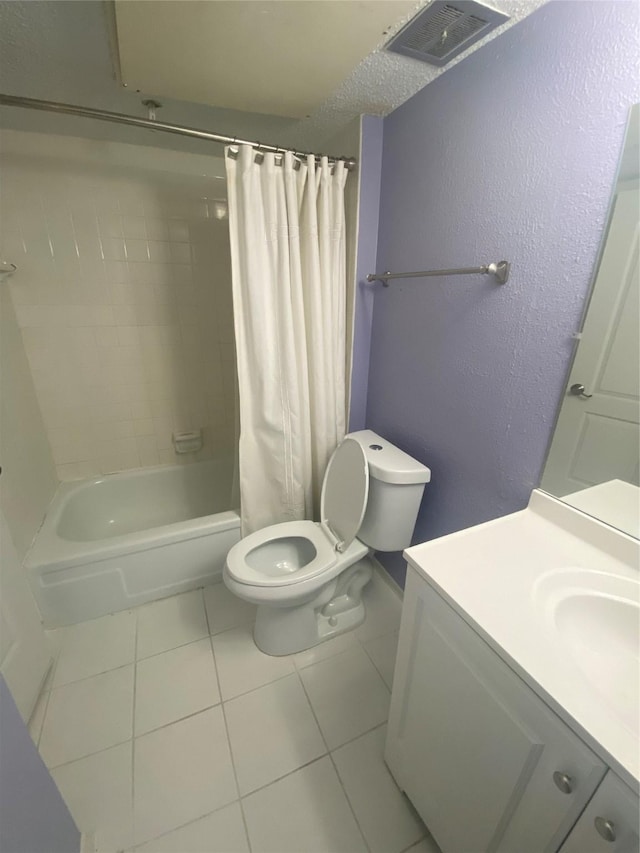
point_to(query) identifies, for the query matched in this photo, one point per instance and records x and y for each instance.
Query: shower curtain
(287, 233)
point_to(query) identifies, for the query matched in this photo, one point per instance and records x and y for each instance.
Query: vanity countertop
(556, 594)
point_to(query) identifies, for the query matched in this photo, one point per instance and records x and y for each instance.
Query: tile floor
(167, 730)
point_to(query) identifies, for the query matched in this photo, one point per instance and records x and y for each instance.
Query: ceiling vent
(444, 29)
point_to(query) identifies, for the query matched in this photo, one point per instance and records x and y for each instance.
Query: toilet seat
(242, 572)
(258, 560)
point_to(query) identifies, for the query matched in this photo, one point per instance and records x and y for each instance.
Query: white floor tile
(388, 823)
(383, 608)
(272, 732)
(182, 772)
(347, 694)
(306, 812)
(325, 650)
(220, 832)
(97, 790)
(94, 647)
(242, 666)
(382, 652)
(225, 610)
(175, 684)
(88, 716)
(172, 622)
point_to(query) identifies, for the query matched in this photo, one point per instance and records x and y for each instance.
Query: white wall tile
(147, 451)
(137, 250)
(157, 229)
(113, 249)
(134, 227)
(104, 258)
(178, 231)
(159, 253)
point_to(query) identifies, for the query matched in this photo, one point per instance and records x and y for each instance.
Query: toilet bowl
(307, 577)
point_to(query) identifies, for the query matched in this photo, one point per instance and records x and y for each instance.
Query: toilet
(307, 577)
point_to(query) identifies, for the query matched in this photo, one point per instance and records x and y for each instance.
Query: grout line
(353, 811)
(45, 692)
(259, 687)
(133, 734)
(44, 717)
(235, 777)
(177, 720)
(137, 737)
(377, 668)
(94, 675)
(88, 755)
(226, 728)
(164, 651)
(284, 776)
(333, 764)
(325, 754)
(233, 763)
(182, 826)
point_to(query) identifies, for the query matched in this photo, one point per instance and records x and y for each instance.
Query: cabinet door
(472, 746)
(609, 824)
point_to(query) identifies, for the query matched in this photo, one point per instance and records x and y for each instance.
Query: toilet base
(337, 608)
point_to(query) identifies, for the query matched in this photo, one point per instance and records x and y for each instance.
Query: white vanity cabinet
(609, 824)
(488, 766)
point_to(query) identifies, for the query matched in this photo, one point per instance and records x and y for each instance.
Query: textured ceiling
(61, 51)
(384, 80)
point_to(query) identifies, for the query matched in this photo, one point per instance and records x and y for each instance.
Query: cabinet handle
(563, 781)
(606, 828)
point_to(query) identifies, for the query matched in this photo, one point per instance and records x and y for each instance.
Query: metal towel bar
(500, 270)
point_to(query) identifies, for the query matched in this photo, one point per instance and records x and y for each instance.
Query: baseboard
(386, 578)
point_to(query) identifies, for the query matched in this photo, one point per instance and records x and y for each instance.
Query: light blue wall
(33, 815)
(510, 154)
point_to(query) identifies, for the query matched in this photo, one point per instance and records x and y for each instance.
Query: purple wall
(370, 162)
(33, 815)
(510, 154)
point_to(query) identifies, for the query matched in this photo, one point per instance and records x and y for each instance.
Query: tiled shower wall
(123, 297)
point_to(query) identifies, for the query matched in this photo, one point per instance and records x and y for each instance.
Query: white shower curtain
(287, 234)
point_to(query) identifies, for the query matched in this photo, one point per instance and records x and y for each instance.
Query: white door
(596, 438)
(24, 653)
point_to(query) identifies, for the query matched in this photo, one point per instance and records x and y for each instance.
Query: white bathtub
(123, 539)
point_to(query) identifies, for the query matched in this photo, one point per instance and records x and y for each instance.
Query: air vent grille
(444, 29)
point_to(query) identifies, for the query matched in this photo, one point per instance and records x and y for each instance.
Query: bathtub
(124, 539)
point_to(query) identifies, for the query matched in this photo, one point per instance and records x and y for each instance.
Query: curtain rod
(121, 118)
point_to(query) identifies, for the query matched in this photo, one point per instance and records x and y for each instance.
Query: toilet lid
(345, 490)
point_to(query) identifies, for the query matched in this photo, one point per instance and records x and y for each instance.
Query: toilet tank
(396, 485)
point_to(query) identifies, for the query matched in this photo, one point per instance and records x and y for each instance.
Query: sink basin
(597, 618)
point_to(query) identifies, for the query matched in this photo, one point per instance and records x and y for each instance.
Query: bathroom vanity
(514, 715)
